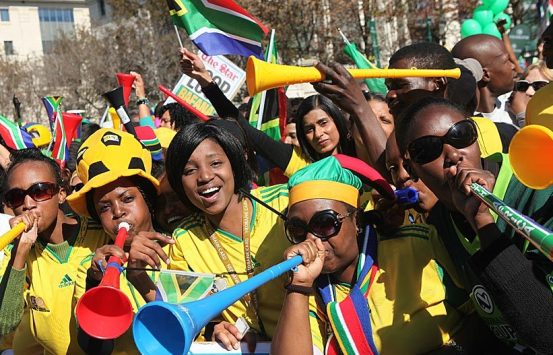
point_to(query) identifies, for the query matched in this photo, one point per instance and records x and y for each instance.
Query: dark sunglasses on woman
(40, 191)
(323, 224)
(523, 85)
(428, 148)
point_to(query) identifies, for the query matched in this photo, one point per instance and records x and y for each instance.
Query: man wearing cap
(355, 291)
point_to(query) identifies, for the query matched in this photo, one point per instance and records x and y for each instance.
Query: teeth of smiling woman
(209, 191)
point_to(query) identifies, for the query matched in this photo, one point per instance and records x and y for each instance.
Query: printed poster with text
(225, 74)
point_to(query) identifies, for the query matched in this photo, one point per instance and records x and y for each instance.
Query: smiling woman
(229, 233)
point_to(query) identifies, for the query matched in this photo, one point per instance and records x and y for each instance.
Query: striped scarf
(351, 319)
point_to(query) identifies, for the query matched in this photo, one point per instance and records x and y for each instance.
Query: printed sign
(225, 74)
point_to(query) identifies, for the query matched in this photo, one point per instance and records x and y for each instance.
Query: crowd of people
(443, 275)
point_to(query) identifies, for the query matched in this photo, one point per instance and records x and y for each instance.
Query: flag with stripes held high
(268, 108)
(60, 151)
(219, 27)
(14, 136)
(52, 104)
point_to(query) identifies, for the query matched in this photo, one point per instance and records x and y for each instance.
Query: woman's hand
(147, 249)
(313, 255)
(28, 218)
(229, 336)
(101, 257)
(191, 64)
(474, 210)
(344, 91)
(138, 85)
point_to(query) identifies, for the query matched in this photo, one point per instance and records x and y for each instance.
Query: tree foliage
(141, 37)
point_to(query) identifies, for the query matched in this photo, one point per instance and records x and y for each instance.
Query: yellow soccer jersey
(125, 343)
(297, 162)
(48, 325)
(193, 251)
(410, 311)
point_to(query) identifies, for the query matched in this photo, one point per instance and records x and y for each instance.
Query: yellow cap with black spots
(106, 156)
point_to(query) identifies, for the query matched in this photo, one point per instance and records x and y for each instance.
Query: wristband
(306, 291)
(142, 101)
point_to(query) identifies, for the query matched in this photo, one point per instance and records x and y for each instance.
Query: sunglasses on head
(41, 191)
(428, 148)
(323, 224)
(523, 85)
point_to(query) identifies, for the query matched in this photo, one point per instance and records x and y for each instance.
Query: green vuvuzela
(536, 234)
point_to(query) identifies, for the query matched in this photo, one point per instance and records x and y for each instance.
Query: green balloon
(486, 4)
(503, 16)
(484, 17)
(491, 29)
(470, 27)
(499, 6)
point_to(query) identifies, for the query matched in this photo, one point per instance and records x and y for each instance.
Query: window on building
(102, 5)
(4, 15)
(54, 21)
(8, 48)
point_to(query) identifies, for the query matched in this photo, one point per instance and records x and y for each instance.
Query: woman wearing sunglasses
(507, 277)
(43, 278)
(357, 292)
(231, 232)
(535, 77)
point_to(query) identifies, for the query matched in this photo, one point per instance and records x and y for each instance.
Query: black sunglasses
(523, 85)
(41, 191)
(323, 224)
(428, 148)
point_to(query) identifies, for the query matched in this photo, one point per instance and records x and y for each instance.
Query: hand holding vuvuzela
(536, 234)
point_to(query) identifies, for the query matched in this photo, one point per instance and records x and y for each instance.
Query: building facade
(29, 28)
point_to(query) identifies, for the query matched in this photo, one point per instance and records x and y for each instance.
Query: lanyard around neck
(250, 298)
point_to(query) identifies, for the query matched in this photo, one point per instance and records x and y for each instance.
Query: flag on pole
(60, 150)
(15, 137)
(375, 85)
(270, 105)
(52, 103)
(219, 26)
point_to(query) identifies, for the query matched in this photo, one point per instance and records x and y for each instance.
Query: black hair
(146, 188)
(425, 55)
(406, 120)
(292, 109)
(158, 168)
(180, 116)
(188, 139)
(231, 125)
(88, 129)
(377, 97)
(345, 145)
(158, 110)
(30, 155)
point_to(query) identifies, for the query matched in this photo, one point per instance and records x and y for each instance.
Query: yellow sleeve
(5, 256)
(297, 162)
(318, 326)
(176, 254)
